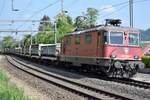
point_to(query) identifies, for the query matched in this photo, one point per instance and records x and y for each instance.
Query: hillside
(145, 36)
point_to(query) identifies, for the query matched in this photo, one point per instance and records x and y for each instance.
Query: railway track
(132, 82)
(60, 81)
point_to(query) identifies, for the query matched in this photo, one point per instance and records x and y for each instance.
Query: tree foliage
(9, 42)
(27, 40)
(64, 25)
(91, 15)
(87, 20)
(80, 22)
(45, 24)
(46, 31)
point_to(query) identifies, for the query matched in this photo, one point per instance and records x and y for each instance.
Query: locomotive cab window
(105, 37)
(133, 39)
(116, 38)
(68, 40)
(88, 38)
(77, 39)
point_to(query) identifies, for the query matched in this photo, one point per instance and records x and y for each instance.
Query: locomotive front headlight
(113, 56)
(136, 57)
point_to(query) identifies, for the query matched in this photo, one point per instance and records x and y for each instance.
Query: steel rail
(88, 88)
(132, 82)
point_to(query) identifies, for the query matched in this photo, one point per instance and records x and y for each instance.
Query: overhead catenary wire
(120, 4)
(25, 8)
(39, 11)
(107, 15)
(35, 13)
(72, 3)
(121, 8)
(115, 5)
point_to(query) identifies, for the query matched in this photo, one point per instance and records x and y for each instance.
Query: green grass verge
(146, 61)
(10, 91)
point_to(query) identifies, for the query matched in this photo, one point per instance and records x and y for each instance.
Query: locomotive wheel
(116, 72)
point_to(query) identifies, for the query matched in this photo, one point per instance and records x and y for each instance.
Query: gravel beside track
(52, 91)
(118, 88)
(142, 77)
(78, 88)
(132, 82)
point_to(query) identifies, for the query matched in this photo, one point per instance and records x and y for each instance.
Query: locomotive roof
(107, 28)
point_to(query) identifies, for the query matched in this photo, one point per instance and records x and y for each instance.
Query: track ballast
(75, 87)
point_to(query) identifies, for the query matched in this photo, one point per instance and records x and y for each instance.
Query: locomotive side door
(99, 43)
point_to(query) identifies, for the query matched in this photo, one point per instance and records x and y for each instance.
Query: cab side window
(77, 39)
(99, 38)
(88, 38)
(68, 40)
(105, 37)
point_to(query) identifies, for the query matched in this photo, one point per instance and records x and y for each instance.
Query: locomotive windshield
(133, 39)
(116, 38)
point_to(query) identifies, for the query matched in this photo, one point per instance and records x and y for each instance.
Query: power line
(72, 3)
(107, 15)
(18, 20)
(119, 4)
(114, 5)
(39, 11)
(25, 8)
(138, 1)
(122, 3)
(28, 4)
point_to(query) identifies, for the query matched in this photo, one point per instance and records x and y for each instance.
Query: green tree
(45, 24)
(27, 40)
(80, 22)
(64, 25)
(92, 15)
(9, 42)
(87, 20)
(46, 31)
(44, 37)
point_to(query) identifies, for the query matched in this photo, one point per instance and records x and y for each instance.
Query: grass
(10, 91)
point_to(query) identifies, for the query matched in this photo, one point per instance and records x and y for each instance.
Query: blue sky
(27, 8)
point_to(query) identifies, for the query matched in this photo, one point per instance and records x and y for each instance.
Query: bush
(9, 91)
(146, 61)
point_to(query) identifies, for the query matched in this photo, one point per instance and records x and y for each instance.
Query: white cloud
(107, 8)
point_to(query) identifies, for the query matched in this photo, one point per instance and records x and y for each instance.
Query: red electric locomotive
(109, 49)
